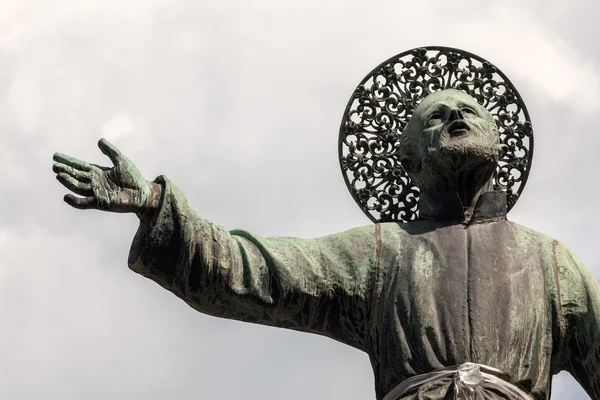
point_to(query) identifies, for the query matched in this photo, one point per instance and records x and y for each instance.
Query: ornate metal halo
(382, 105)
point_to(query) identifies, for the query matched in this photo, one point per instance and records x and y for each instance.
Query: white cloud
(118, 126)
(535, 53)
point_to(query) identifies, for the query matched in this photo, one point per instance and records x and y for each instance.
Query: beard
(461, 165)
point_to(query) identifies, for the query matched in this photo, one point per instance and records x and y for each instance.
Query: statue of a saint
(459, 303)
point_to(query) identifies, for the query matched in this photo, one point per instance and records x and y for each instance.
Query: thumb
(110, 150)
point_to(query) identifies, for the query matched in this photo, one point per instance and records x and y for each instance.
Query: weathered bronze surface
(459, 284)
(381, 106)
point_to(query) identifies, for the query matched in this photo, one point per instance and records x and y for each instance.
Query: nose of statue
(455, 114)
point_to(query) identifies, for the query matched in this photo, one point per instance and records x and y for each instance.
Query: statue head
(479, 153)
(450, 138)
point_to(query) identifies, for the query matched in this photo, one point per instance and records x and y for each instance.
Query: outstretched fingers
(84, 203)
(78, 174)
(110, 150)
(81, 188)
(72, 162)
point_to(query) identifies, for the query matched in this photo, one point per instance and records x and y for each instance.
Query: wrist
(155, 194)
(152, 202)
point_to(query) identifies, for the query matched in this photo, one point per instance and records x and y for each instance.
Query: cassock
(440, 291)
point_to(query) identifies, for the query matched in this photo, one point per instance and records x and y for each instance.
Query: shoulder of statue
(522, 230)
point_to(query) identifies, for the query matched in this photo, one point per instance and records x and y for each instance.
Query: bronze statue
(457, 303)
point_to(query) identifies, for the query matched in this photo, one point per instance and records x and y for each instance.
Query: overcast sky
(239, 104)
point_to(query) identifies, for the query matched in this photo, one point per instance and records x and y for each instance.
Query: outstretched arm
(317, 285)
(321, 285)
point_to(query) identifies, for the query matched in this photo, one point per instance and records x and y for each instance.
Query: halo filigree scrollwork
(382, 105)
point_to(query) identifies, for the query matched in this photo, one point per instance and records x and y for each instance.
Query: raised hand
(121, 188)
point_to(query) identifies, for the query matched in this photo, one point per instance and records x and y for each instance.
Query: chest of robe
(455, 293)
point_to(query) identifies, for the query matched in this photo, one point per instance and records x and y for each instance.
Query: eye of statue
(468, 110)
(434, 119)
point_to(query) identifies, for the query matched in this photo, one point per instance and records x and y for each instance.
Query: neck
(468, 185)
(432, 200)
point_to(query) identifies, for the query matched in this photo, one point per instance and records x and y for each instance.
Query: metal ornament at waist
(470, 381)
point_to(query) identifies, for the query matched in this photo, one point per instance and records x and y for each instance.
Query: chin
(469, 159)
(469, 154)
(466, 150)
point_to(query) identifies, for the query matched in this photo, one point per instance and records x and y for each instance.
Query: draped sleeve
(322, 286)
(580, 309)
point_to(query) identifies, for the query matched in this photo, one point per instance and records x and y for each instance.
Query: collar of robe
(446, 206)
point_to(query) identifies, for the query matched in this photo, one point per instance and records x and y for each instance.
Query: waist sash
(470, 381)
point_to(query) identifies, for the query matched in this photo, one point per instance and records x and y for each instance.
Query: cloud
(239, 103)
(535, 53)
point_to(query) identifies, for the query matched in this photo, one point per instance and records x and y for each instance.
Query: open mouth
(458, 128)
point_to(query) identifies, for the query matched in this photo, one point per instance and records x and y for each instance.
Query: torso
(452, 293)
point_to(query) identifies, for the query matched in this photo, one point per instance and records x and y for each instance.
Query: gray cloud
(239, 103)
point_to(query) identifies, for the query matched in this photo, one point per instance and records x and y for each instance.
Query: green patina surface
(416, 297)
(460, 284)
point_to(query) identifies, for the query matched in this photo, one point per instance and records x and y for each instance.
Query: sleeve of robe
(322, 286)
(579, 318)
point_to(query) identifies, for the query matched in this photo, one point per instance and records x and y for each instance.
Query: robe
(415, 296)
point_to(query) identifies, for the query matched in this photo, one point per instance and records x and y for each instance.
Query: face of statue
(452, 119)
(449, 131)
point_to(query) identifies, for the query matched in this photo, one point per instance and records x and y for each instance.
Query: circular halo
(382, 105)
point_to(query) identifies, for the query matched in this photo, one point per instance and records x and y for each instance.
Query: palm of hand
(121, 188)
